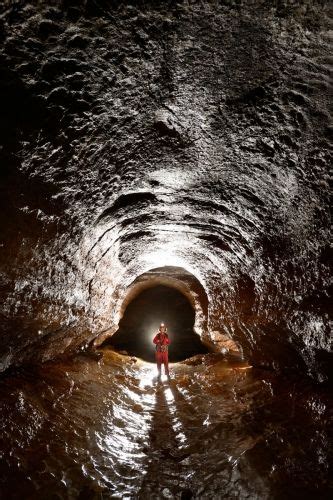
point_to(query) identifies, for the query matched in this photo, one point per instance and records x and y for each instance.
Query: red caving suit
(162, 343)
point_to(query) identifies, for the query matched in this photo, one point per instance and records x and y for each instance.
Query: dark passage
(143, 317)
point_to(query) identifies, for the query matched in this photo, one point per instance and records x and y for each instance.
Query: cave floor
(104, 427)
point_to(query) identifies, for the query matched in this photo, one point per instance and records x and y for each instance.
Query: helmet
(163, 324)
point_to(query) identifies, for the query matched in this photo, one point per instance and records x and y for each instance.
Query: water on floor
(104, 427)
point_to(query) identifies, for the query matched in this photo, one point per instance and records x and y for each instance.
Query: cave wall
(137, 135)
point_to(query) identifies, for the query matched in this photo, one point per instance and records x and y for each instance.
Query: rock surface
(185, 134)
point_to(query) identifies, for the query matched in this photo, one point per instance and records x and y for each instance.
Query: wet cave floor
(103, 426)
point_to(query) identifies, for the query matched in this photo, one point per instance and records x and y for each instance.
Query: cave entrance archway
(143, 316)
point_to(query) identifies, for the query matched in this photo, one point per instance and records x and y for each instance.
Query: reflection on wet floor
(108, 428)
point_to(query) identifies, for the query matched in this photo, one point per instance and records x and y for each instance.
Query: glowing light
(168, 395)
(176, 423)
(164, 257)
(181, 438)
(147, 376)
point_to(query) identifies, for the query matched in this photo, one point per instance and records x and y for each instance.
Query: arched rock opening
(142, 317)
(179, 278)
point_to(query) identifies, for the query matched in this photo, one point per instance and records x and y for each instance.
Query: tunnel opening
(142, 318)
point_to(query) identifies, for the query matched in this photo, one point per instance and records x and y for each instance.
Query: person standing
(162, 341)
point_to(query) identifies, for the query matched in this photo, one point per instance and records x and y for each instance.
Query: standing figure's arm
(156, 339)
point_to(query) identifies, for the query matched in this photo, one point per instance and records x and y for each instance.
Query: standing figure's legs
(158, 362)
(166, 363)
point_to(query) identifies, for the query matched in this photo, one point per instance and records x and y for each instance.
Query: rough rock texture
(192, 134)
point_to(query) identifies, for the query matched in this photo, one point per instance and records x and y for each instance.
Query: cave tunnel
(165, 161)
(141, 320)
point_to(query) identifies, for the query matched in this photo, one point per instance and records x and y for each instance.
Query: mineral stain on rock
(184, 145)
